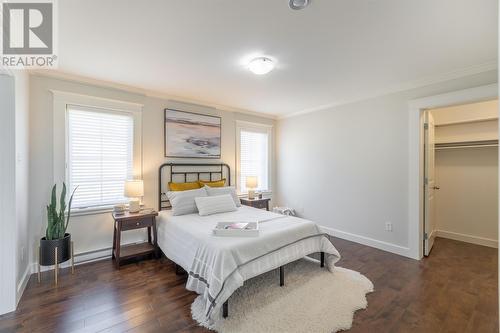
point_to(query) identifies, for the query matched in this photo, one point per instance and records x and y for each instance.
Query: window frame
(62, 100)
(254, 127)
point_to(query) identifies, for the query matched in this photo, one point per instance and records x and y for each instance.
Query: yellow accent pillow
(183, 186)
(214, 183)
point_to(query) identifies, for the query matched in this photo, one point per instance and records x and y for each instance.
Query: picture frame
(191, 135)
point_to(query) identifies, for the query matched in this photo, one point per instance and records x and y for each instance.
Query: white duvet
(217, 266)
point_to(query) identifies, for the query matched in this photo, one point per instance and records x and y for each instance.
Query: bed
(217, 266)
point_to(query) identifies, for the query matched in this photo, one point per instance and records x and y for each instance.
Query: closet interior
(466, 173)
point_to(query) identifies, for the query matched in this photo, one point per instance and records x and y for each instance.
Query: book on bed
(237, 229)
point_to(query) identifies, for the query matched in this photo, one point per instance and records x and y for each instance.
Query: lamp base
(134, 206)
(251, 194)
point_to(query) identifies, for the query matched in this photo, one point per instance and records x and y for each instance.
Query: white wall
(14, 147)
(7, 195)
(94, 232)
(22, 179)
(346, 167)
(467, 202)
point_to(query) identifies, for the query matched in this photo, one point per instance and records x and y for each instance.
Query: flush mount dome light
(298, 4)
(261, 65)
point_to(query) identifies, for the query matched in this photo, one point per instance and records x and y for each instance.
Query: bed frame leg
(282, 276)
(225, 309)
(322, 259)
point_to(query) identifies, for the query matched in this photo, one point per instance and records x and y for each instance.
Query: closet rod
(460, 147)
(466, 144)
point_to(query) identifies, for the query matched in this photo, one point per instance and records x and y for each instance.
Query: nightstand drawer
(256, 203)
(137, 224)
(259, 204)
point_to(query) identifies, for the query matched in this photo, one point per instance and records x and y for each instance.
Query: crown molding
(472, 70)
(60, 75)
(252, 123)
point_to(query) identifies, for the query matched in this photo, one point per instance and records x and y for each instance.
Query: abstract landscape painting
(192, 135)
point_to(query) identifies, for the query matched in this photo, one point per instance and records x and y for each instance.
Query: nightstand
(256, 203)
(133, 221)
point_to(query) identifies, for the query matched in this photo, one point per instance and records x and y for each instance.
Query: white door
(429, 184)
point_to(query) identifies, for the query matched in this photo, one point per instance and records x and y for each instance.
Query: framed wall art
(192, 135)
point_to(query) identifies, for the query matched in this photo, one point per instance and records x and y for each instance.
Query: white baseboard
(80, 258)
(468, 238)
(23, 283)
(381, 245)
(433, 234)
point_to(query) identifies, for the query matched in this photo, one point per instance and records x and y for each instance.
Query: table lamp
(134, 189)
(252, 184)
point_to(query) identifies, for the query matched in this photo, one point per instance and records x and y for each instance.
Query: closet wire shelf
(466, 144)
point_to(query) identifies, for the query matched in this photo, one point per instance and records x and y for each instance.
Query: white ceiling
(329, 53)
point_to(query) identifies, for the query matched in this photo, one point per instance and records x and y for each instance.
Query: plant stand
(56, 263)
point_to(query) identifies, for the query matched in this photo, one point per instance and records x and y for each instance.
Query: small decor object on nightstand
(251, 183)
(119, 209)
(134, 189)
(284, 211)
(56, 247)
(256, 203)
(132, 221)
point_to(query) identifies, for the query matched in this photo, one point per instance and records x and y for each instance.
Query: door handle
(436, 187)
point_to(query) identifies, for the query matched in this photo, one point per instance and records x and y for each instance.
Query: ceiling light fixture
(261, 65)
(298, 4)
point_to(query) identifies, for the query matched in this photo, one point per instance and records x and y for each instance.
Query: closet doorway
(461, 174)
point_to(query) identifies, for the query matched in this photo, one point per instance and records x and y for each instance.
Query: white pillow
(183, 201)
(224, 190)
(215, 204)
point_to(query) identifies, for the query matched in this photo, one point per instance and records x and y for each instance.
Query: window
(100, 155)
(253, 154)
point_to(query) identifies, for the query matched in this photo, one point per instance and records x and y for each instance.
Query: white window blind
(100, 155)
(254, 158)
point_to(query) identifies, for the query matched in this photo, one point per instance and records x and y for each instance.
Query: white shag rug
(312, 300)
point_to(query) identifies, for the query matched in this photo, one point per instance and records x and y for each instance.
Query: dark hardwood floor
(454, 290)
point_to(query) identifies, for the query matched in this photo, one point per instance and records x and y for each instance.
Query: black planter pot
(47, 250)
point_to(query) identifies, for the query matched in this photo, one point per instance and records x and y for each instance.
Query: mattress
(181, 238)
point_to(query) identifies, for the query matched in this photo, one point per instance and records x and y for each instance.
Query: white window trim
(61, 100)
(258, 127)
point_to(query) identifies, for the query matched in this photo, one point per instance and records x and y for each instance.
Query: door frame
(429, 185)
(416, 154)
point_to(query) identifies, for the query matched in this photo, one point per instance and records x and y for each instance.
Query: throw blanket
(214, 271)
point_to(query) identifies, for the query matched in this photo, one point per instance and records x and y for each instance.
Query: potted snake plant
(55, 234)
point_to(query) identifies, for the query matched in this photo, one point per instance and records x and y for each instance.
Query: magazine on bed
(238, 226)
(237, 229)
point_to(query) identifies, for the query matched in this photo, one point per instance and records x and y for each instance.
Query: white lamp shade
(252, 182)
(134, 188)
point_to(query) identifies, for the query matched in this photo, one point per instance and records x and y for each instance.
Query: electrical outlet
(388, 226)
